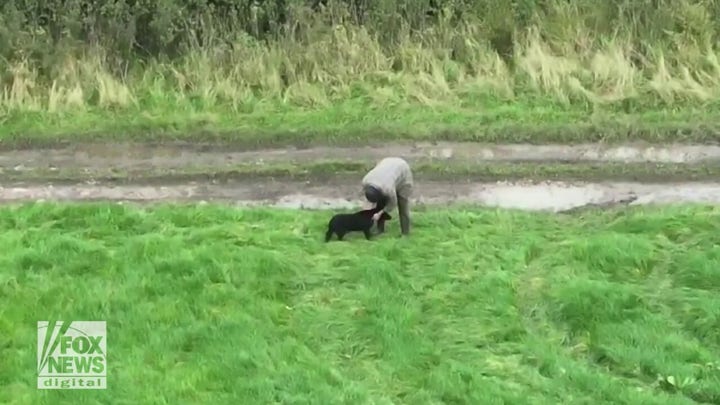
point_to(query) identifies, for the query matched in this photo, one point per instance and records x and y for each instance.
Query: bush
(75, 53)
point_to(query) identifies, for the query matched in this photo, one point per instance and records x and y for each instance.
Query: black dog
(341, 224)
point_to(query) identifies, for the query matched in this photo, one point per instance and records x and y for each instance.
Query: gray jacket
(392, 176)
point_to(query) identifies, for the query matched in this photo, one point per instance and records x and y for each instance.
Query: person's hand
(376, 216)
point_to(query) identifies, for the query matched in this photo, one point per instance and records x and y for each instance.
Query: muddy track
(550, 196)
(174, 156)
(335, 192)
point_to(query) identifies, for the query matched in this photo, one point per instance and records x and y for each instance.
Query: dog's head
(366, 213)
(384, 215)
(369, 213)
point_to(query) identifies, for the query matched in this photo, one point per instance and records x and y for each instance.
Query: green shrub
(77, 53)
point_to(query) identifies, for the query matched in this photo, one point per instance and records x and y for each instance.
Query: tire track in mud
(539, 196)
(335, 193)
(179, 155)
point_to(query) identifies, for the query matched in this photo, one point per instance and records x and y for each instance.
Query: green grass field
(218, 305)
(355, 122)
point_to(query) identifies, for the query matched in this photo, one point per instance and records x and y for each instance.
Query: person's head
(374, 195)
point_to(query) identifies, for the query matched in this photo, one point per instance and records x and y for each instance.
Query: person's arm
(391, 202)
(385, 205)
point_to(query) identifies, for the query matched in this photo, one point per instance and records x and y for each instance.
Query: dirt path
(344, 192)
(551, 196)
(137, 156)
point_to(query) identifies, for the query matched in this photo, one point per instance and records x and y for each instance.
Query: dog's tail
(328, 235)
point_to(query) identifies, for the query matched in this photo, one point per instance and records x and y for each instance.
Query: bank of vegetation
(332, 65)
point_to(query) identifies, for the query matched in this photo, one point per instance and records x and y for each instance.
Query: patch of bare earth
(550, 196)
(128, 156)
(345, 192)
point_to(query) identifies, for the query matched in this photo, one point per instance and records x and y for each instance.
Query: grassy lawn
(355, 122)
(218, 305)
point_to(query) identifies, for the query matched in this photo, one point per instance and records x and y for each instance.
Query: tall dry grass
(445, 63)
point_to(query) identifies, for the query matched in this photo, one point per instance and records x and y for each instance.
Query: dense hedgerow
(75, 53)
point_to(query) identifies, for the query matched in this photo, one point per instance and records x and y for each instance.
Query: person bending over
(387, 185)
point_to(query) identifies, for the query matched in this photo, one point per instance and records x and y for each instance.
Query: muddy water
(550, 196)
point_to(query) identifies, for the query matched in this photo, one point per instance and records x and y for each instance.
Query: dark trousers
(404, 211)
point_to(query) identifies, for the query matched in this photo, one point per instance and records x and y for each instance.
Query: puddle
(546, 196)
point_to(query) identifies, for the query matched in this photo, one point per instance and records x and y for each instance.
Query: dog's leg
(328, 235)
(367, 233)
(340, 235)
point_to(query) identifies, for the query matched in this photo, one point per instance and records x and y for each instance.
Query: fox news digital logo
(72, 355)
